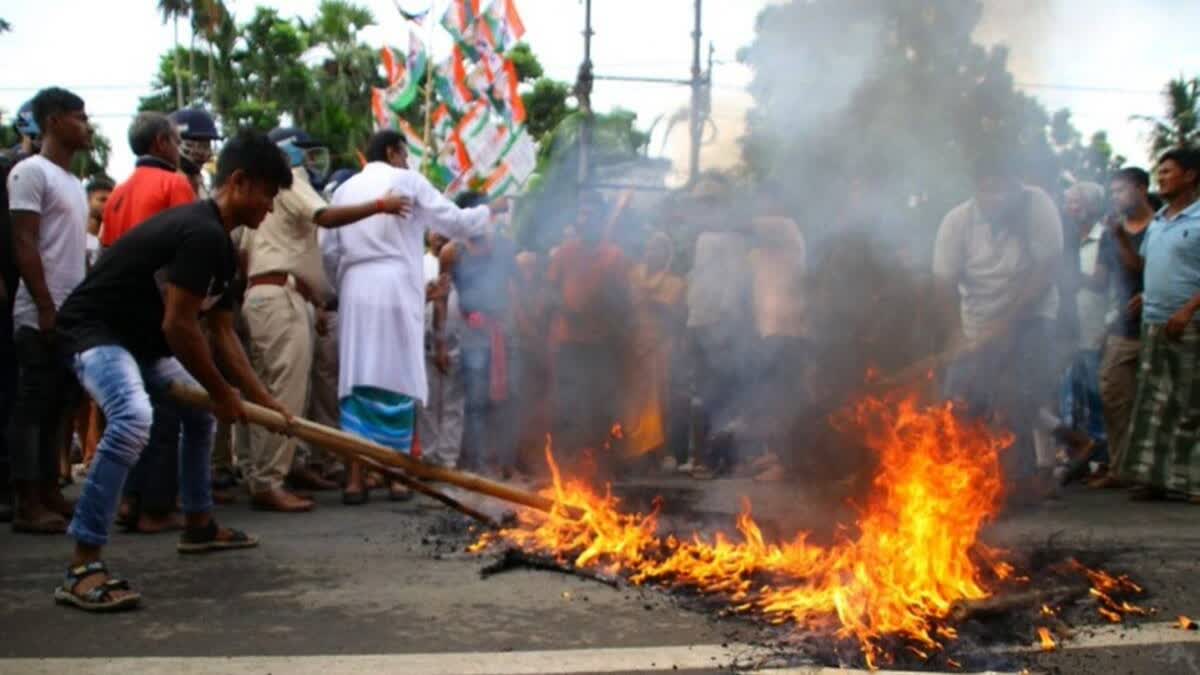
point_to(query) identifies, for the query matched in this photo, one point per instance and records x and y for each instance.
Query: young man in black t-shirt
(1119, 363)
(132, 328)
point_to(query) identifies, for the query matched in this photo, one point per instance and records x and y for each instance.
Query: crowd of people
(369, 301)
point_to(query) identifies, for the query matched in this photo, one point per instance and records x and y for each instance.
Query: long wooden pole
(343, 443)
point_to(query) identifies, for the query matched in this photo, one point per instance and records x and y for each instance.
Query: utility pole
(696, 120)
(583, 94)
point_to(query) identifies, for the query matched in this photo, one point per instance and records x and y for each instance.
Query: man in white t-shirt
(49, 220)
(998, 254)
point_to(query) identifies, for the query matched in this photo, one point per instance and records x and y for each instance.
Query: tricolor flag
(460, 21)
(404, 90)
(450, 80)
(379, 109)
(510, 95)
(442, 123)
(500, 183)
(504, 24)
(416, 147)
(393, 69)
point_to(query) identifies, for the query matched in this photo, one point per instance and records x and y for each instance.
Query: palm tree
(207, 16)
(1181, 125)
(172, 10)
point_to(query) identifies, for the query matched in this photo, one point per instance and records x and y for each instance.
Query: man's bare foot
(153, 524)
(280, 500)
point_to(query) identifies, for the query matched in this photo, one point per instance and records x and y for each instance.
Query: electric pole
(583, 94)
(696, 119)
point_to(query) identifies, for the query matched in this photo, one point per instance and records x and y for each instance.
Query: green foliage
(525, 61)
(94, 163)
(164, 85)
(546, 106)
(5, 26)
(1180, 127)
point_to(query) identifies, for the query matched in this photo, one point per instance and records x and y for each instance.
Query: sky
(1106, 60)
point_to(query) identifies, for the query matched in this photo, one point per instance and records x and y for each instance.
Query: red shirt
(153, 188)
(592, 280)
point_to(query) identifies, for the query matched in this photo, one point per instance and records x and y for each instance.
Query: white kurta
(380, 278)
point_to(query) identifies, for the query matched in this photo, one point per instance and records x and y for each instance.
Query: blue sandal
(100, 598)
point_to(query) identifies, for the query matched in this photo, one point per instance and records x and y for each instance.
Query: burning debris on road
(896, 585)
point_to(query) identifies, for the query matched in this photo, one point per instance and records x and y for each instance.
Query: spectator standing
(49, 212)
(155, 186)
(1118, 368)
(286, 291)
(1163, 452)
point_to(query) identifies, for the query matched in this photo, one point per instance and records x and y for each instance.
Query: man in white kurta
(381, 291)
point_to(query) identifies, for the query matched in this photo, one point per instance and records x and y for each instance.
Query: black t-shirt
(1126, 282)
(121, 300)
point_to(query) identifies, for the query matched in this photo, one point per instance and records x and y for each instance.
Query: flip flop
(204, 540)
(100, 598)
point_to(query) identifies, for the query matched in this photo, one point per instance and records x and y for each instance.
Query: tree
(5, 26)
(173, 10)
(1181, 125)
(166, 84)
(546, 106)
(93, 163)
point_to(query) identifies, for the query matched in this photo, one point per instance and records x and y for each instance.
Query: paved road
(386, 588)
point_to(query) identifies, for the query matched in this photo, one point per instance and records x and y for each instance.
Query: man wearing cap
(287, 289)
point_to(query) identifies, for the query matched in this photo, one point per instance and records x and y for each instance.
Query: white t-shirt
(41, 186)
(990, 265)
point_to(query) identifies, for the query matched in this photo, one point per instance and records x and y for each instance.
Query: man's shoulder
(960, 214)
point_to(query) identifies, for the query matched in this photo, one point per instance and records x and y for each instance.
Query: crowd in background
(1075, 328)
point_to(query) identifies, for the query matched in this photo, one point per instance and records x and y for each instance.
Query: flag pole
(431, 149)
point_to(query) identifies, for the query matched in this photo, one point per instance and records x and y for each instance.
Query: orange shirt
(153, 188)
(593, 283)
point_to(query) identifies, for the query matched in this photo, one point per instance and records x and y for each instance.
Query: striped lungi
(379, 415)
(1164, 434)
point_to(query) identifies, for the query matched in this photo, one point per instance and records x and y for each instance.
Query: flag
(416, 147)
(510, 95)
(442, 123)
(460, 20)
(500, 183)
(504, 24)
(450, 80)
(393, 70)
(403, 90)
(379, 109)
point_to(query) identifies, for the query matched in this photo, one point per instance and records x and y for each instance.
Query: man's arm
(441, 304)
(27, 227)
(1126, 253)
(445, 218)
(337, 216)
(181, 327)
(233, 357)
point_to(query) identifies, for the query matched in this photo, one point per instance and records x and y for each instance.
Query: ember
(1185, 623)
(1047, 641)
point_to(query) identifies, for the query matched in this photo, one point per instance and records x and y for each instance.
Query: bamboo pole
(345, 444)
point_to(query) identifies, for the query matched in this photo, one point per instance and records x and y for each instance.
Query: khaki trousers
(323, 396)
(1118, 386)
(282, 332)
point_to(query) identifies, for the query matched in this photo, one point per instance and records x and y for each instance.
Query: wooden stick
(514, 558)
(360, 448)
(1000, 604)
(418, 486)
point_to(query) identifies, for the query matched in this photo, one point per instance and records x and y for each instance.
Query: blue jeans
(489, 427)
(122, 386)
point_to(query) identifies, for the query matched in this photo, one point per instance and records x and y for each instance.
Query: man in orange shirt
(155, 186)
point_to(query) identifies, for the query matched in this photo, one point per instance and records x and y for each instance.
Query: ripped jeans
(122, 386)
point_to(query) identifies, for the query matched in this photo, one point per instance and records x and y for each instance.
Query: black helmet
(198, 130)
(195, 124)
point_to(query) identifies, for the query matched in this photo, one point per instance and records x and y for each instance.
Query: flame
(911, 558)
(1185, 623)
(1047, 641)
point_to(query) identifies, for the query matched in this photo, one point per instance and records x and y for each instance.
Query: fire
(1184, 623)
(912, 556)
(1104, 589)
(1047, 641)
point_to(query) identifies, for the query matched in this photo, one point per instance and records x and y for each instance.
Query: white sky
(1104, 59)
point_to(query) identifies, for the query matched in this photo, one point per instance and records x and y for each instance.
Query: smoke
(869, 119)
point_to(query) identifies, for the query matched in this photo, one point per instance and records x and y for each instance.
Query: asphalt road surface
(388, 588)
